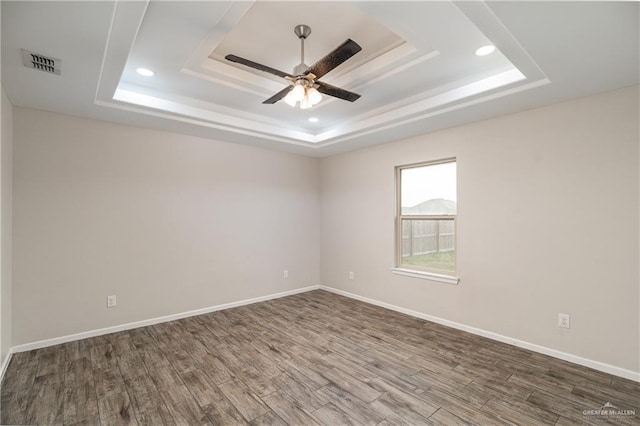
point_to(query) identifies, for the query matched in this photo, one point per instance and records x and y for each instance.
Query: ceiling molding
(486, 21)
(125, 23)
(429, 79)
(94, 84)
(383, 65)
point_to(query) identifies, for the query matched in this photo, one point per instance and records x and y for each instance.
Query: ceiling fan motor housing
(300, 69)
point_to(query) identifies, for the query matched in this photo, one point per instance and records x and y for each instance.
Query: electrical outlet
(564, 320)
(350, 275)
(111, 301)
(285, 274)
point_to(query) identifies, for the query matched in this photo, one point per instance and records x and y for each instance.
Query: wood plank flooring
(312, 358)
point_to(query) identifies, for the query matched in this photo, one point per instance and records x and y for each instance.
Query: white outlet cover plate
(564, 320)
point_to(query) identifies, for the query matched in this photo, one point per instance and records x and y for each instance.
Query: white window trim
(408, 270)
(423, 275)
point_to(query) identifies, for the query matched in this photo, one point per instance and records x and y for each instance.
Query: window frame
(415, 270)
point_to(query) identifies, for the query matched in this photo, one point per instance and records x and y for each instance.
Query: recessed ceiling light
(486, 50)
(313, 119)
(145, 72)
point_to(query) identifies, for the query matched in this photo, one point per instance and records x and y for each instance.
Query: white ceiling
(417, 71)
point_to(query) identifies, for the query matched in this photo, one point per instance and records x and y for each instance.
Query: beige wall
(547, 223)
(6, 155)
(168, 223)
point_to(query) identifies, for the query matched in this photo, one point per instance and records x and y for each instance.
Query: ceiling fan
(304, 85)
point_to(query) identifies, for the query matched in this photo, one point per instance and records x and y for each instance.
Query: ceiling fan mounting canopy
(304, 86)
(302, 31)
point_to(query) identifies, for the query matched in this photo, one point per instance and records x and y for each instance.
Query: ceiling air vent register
(40, 62)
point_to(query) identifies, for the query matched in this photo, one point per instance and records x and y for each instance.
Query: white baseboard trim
(122, 327)
(5, 364)
(596, 365)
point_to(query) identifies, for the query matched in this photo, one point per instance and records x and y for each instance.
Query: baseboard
(596, 365)
(5, 364)
(122, 327)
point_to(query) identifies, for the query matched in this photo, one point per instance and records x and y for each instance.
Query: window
(426, 220)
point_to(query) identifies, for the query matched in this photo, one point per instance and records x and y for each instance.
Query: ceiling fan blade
(281, 94)
(337, 92)
(257, 66)
(335, 58)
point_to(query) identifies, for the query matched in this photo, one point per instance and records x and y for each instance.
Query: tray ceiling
(417, 69)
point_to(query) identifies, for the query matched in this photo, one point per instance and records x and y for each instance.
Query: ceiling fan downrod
(302, 32)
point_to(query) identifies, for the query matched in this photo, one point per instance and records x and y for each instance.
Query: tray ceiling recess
(418, 60)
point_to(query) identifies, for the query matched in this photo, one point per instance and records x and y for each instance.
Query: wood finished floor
(312, 358)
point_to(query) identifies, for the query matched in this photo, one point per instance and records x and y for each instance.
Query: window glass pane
(429, 243)
(429, 189)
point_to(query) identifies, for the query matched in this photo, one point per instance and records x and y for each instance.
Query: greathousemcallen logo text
(608, 409)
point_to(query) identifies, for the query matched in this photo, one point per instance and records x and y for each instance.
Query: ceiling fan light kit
(305, 89)
(304, 93)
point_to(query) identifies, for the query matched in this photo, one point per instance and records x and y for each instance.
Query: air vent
(40, 62)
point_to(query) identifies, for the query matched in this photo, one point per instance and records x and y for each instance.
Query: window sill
(448, 279)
